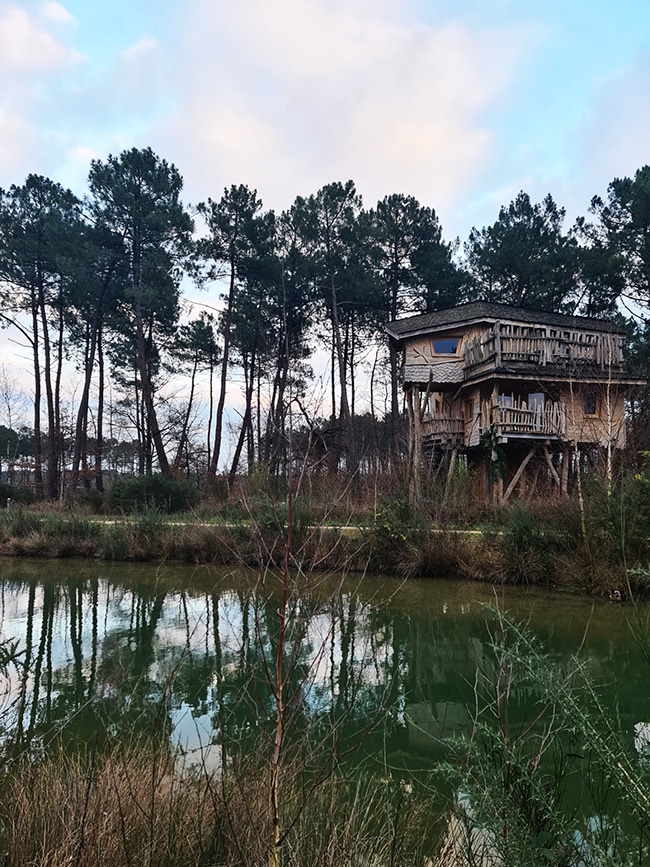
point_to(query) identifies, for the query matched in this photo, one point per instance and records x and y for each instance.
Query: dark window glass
(590, 403)
(445, 345)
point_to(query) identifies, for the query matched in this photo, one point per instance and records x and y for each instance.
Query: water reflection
(188, 657)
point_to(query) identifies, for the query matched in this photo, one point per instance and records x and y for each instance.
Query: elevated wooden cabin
(514, 389)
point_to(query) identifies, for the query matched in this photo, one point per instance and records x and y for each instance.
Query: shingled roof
(487, 311)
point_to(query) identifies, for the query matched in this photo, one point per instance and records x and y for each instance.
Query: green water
(188, 655)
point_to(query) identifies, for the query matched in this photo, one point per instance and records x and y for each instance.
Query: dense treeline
(97, 282)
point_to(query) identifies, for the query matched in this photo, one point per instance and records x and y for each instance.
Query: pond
(189, 655)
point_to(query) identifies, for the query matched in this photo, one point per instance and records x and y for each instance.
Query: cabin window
(506, 400)
(469, 410)
(590, 405)
(445, 345)
(536, 400)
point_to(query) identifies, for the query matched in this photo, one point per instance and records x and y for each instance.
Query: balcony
(519, 420)
(493, 349)
(443, 431)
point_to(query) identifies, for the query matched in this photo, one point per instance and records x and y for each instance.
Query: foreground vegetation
(560, 786)
(134, 806)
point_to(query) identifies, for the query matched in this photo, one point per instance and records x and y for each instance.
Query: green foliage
(18, 522)
(459, 497)
(115, 543)
(536, 791)
(11, 495)
(397, 526)
(497, 463)
(145, 492)
(521, 530)
(417, 267)
(271, 517)
(624, 222)
(524, 258)
(395, 518)
(90, 499)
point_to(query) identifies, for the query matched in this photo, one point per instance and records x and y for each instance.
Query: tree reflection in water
(113, 656)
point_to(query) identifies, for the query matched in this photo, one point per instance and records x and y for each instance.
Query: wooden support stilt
(450, 472)
(533, 484)
(519, 473)
(412, 472)
(552, 469)
(564, 479)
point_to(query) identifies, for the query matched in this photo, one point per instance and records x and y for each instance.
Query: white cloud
(286, 95)
(141, 50)
(32, 63)
(27, 46)
(615, 138)
(16, 137)
(58, 13)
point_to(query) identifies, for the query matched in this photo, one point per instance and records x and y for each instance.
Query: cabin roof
(487, 312)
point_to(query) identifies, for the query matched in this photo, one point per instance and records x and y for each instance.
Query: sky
(460, 103)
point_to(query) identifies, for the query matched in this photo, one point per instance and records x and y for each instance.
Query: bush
(90, 499)
(152, 492)
(15, 494)
(397, 527)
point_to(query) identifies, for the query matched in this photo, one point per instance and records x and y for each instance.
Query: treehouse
(525, 395)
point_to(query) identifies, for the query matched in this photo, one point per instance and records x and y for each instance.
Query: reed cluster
(141, 806)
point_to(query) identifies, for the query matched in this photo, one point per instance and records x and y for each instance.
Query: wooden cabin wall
(607, 426)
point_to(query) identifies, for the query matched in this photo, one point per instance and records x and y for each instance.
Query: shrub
(397, 526)
(90, 500)
(152, 491)
(15, 494)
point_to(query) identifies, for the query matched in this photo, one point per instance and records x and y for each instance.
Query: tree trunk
(147, 395)
(52, 483)
(99, 433)
(214, 463)
(82, 413)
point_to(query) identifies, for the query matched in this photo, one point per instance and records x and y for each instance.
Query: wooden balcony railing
(496, 349)
(439, 429)
(549, 420)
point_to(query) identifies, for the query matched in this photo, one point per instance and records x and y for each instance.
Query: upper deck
(478, 340)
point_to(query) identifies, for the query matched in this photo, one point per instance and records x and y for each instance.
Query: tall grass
(135, 807)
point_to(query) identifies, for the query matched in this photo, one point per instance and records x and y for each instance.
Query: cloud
(16, 136)
(32, 63)
(56, 12)
(615, 136)
(286, 95)
(27, 46)
(127, 93)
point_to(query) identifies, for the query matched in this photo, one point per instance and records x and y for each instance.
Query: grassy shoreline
(517, 546)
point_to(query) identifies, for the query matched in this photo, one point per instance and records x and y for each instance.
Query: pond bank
(519, 551)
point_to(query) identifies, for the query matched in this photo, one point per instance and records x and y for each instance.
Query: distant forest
(97, 282)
